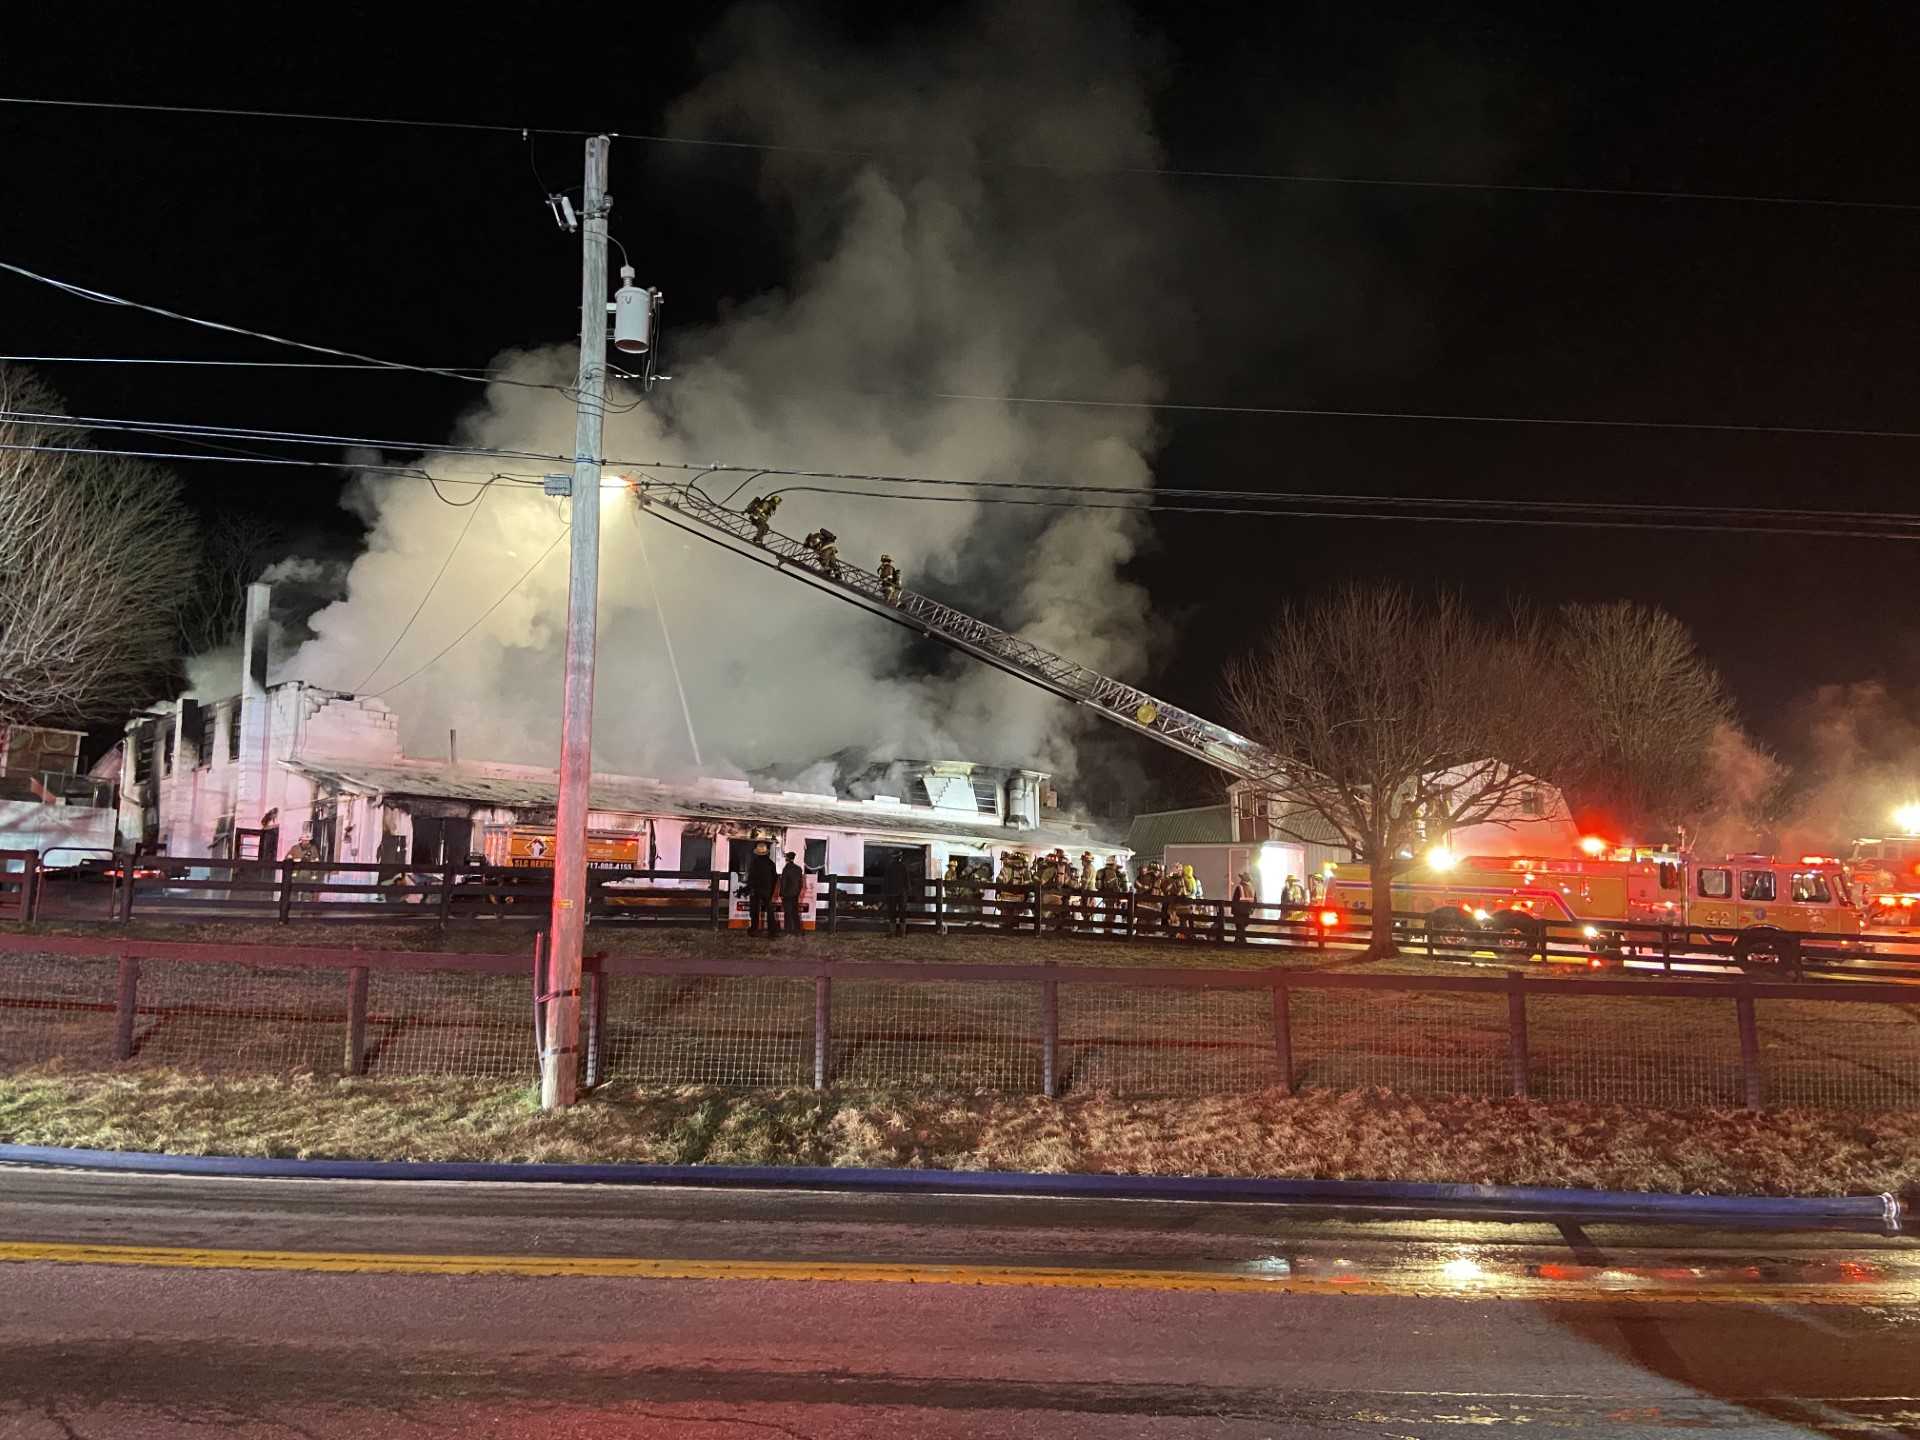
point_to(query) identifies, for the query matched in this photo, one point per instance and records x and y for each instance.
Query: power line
(1171, 498)
(435, 370)
(410, 471)
(1320, 511)
(1061, 402)
(438, 575)
(52, 420)
(1170, 172)
(101, 297)
(1166, 500)
(1154, 493)
(471, 500)
(232, 112)
(1314, 411)
(525, 575)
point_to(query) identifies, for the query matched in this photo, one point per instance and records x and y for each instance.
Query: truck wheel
(1768, 947)
(1448, 927)
(1513, 930)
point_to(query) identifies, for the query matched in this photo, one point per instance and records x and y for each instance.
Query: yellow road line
(1518, 1286)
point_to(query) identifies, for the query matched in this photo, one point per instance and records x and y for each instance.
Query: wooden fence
(1563, 1036)
(290, 891)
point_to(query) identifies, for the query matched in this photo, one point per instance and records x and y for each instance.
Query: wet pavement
(290, 1307)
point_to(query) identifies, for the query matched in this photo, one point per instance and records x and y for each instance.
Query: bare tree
(94, 550)
(234, 550)
(1398, 721)
(1652, 711)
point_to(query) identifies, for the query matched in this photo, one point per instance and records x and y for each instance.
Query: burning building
(251, 775)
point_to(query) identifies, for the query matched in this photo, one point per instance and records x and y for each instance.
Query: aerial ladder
(1112, 699)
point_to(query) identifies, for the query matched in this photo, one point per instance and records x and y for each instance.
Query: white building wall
(195, 803)
(63, 834)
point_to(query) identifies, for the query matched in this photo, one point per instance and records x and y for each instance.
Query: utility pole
(560, 1046)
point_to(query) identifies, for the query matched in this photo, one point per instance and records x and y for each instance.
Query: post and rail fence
(158, 887)
(797, 1017)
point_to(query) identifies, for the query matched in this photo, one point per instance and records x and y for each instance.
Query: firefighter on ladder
(889, 580)
(760, 515)
(826, 550)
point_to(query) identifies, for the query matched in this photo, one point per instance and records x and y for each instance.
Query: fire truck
(1886, 879)
(1755, 908)
(1756, 916)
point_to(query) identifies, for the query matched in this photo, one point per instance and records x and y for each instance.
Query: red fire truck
(1886, 880)
(1755, 908)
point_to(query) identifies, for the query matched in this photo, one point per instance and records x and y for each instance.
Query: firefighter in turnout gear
(826, 549)
(1062, 874)
(961, 891)
(1108, 882)
(760, 516)
(889, 574)
(1012, 882)
(1177, 889)
(1242, 898)
(1147, 909)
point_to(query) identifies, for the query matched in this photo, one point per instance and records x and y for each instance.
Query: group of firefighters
(1070, 892)
(824, 546)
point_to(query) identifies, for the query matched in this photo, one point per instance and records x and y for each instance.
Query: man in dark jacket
(760, 890)
(791, 879)
(893, 888)
(1243, 893)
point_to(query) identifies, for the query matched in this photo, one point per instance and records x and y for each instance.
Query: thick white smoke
(948, 274)
(1860, 762)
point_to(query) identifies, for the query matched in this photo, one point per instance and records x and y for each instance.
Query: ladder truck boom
(1112, 699)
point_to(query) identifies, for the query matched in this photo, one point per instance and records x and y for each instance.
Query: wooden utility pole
(559, 1055)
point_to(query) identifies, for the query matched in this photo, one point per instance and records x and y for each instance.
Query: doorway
(441, 840)
(876, 857)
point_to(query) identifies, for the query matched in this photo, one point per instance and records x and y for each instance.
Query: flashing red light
(1818, 860)
(1592, 845)
(1329, 919)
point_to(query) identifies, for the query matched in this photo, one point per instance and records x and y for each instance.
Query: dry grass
(1320, 1134)
(971, 946)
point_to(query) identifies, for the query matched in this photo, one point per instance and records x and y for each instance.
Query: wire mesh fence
(444, 1022)
(238, 1017)
(1420, 1043)
(1127, 1040)
(1841, 1057)
(1017, 1029)
(1674, 1053)
(55, 1007)
(943, 1035)
(750, 1032)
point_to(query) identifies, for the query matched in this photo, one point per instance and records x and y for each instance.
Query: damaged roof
(525, 788)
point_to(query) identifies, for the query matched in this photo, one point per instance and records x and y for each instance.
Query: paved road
(929, 1316)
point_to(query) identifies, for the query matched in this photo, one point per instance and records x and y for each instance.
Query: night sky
(434, 246)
